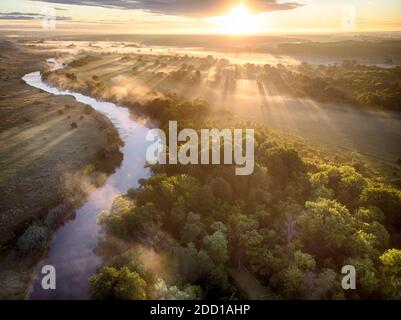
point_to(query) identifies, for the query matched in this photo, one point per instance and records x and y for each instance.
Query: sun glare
(238, 21)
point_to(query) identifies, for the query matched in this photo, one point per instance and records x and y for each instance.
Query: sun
(238, 21)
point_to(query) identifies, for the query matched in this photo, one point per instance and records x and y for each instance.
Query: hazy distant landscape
(77, 190)
(249, 91)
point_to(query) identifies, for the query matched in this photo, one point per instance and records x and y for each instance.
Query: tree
(132, 260)
(342, 183)
(33, 239)
(254, 254)
(219, 226)
(117, 284)
(216, 245)
(376, 235)
(193, 229)
(201, 199)
(320, 285)
(283, 164)
(161, 291)
(178, 214)
(192, 265)
(347, 184)
(391, 273)
(368, 277)
(217, 284)
(290, 279)
(221, 188)
(387, 199)
(369, 214)
(129, 221)
(325, 228)
(304, 261)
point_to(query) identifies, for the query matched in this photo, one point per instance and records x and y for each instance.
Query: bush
(88, 109)
(71, 76)
(33, 239)
(56, 215)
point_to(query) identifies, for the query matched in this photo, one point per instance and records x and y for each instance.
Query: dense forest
(349, 82)
(292, 225)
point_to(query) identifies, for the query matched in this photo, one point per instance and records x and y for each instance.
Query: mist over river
(72, 246)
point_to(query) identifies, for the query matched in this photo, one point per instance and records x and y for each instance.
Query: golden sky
(204, 17)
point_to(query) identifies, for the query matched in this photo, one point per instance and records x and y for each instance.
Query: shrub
(57, 214)
(89, 169)
(33, 239)
(88, 109)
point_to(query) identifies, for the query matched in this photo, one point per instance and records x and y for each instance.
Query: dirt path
(251, 286)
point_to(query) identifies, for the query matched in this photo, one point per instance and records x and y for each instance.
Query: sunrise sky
(206, 16)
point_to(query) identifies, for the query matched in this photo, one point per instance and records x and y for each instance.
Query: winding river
(72, 246)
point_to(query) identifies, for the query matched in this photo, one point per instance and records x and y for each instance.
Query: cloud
(189, 8)
(27, 16)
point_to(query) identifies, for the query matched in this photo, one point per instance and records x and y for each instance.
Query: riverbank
(72, 249)
(54, 152)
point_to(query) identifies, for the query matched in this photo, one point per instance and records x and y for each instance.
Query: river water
(71, 248)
